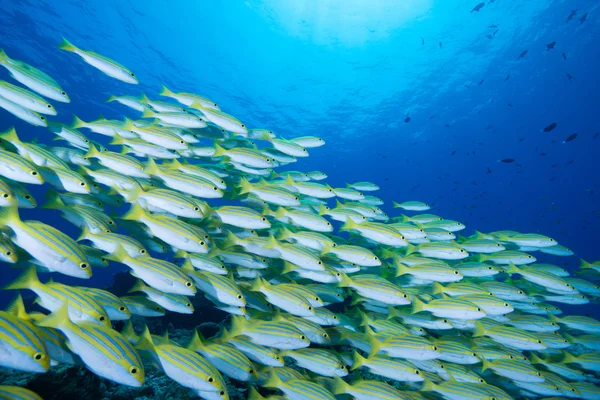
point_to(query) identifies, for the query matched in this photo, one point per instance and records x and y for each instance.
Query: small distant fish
(407, 119)
(521, 140)
(550, 45)
(550, 127)
(583, 19)
(441, 45)
(480, 82)
(447, 125)
(596, 135)
(569, 76)
(507, 160)
(543, 154)
(489, 171)
(571, 15)
(493, 26)
(564, 56)
(453, 153)
(510, 105)
(478, 7)
(570, 138)
(422, 41)
(523, 53)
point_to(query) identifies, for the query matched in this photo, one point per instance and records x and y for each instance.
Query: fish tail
(146, 342)
(284, 233)
(396, 205)
(568, 358)
(230, 240)
(117, 140)
(479, 329)
(151, 167)
(26, 280)
(401, 269)
(288, 267)
(428, 386)
(10, 136)
(181, 254)
(349, 225)
(3, 57)
(119, 255)
(338, 386)
(54, 201)
(535, 359)
(417, 305)
(128, 124)
(237, 326)
(187, 266)
(584, 264)
(134, 193)
(485, 364)
(59, 318)
(271, 242)
(345, 280)
(357, 360)
(280, 212)
(85, 233)
(67, 46)
(273, 381)
(512, 269)
(196, 342)
(148, 113)
(166, 92)
(244, 186)
(257, 284)
(77, 123)
(219, 151)
(410, 249)
(111, 98)
(135, 213)
(253, 394)
(138, 286)
(92, 151)
(437, 288)
(128, 332)
(9, 216)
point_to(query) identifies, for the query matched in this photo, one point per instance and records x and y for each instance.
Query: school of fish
(427, 312)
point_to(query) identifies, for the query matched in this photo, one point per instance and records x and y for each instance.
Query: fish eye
(490, 268)
(268, 160)
(338, 295)
(310, 308)
(435, 348)
(404, 295)
(481, 381)
(27, 197)
(188, 305)
(202, 243)
(325, 335)
(49, 105)
(521, 292)
(8, 253)
(222, 267)
(264, 219)
(417, 372)
(320, 262)
(375, 258)
(239, 296)
(121, 308)
(334, 245)
(505, 304)
(188, 284)
(5, 195)
(243, 126)
(103, 259)
(539, 342)
(63, 93)
(157, 308)
(511, 357)
(83, 265)
(181, 141)
(211, 379)
(338, 275)
(206, 236)
(474, 354)
(303, 337)
(34, 173)
(445, 321)
(462, 251)
(296, 198)
(215, 188)
(101, 319)
(38, 356)
(455, 272)
(478, 309)
(538, 374)
(142, 251)
(442, 366)
(334, 317)
(529, 256)
(131, 73)
(42, 118)
(264, 260)
(81, 183)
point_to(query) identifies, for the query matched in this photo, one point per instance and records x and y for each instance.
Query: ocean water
(422, 97)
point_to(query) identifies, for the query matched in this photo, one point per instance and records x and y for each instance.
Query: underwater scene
(299, 199)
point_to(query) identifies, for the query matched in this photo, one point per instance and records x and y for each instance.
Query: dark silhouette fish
(569, 76)
(493, 26)
(550, 46)
(478, 7)
(570, 138)
(422, 41)
(507, 77)
(564, 55)
(583, 19)
(480, 82)
(441, 45)
(570, 17)
(406, 120)
(507, 160)
(550, 127)
(489, 170)
(523, 54)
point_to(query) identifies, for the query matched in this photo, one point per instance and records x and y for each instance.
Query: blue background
(351, 72)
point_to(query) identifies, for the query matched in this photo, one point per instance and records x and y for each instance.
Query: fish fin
(253, 394)
(237, 326)
(568, 358)
(401, 269)
(111, 98)
(258, 284)
(151, 167)
(373, 342)
(3, 56)
(584, 264)
(485, 364)
(271, 242)
(17, 308)
(219, 151)
(166, 92)
(128, 332)
(144, 99)
(512, 269)
(396, 205)
(67, 46)
(284, 233)
(85, 233)
(280, 212)
(417, 305)
(230, 240)
(535, 359)
(288, 267)
(119, 255)
(345, 280)
(117, 140)
(357, 360)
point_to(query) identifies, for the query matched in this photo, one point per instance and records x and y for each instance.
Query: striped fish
(280, 335)
(55, 250)
(17, 168)
(17, 393)
(103, 351)
(172, 302)
(20, 345)
(298, 389)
